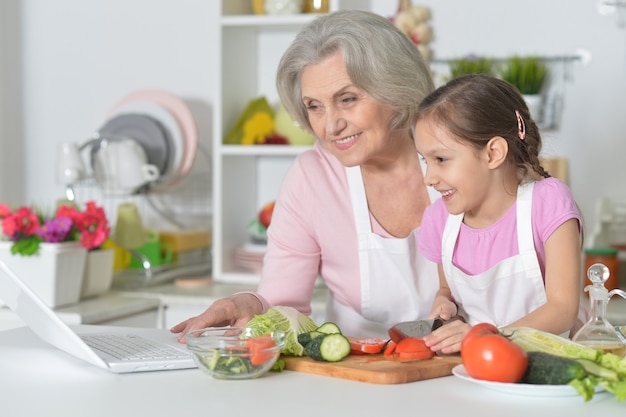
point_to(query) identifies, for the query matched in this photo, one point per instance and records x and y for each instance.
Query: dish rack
(178, 200)
(183, 209)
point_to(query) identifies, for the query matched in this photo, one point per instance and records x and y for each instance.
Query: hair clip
(521, 126)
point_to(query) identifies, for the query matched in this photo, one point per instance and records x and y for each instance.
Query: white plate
(520, 389)
(184, 116)
(168, 121)
(144, 129)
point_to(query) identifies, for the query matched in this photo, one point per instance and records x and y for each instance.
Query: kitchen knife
(417, 328)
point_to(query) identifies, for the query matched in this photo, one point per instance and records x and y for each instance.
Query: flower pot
(54, 273)
(98, 275)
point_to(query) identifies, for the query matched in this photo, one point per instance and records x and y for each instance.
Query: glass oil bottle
(598, 333)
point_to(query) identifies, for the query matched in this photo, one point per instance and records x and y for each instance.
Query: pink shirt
(313, 234)
(477, 250)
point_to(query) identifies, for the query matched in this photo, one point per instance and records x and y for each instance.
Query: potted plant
(471, 64)
(528, 74)
(28, 228)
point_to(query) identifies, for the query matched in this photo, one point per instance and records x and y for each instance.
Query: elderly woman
(349, 208)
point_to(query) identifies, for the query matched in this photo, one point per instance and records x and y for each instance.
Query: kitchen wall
(79, 57)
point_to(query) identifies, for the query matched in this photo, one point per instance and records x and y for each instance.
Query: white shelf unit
(246, 177)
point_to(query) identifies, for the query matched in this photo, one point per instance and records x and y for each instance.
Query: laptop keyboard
(132, 347)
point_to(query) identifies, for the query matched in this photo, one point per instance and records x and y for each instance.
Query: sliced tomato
(390, 348)
(424, 354)
(412, 345)
(369, 345)
(259, 349)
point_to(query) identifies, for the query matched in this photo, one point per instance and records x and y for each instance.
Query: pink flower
(21, 223)
(55, 230)
(27, 229)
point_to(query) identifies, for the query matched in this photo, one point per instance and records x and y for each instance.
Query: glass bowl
(235, 352)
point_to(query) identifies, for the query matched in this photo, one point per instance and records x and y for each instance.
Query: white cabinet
(246, 177)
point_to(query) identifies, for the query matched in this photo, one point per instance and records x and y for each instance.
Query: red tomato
(480, 329)
(371, 345)
(412, 345)
(489, 356)
(413, 348)
(424, 354)
(265, 215)
(390, 348)
(258, 349)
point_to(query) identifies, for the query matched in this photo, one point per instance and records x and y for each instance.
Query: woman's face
(349, 123)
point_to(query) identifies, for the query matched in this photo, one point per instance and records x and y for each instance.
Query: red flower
(21, 223)
(27, 229)
(92, 224)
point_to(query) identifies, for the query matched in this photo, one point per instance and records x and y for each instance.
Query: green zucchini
(331, 347)
(547, 369)
(329, 328)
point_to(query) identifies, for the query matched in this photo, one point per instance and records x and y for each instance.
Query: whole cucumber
(547, 369)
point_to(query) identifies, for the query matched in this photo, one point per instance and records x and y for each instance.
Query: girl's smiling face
(348, 122)
(455, 169)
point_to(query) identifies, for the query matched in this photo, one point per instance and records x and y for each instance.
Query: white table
(39, 380)
(111, 309)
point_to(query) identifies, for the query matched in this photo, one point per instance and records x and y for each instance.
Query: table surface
(39, 380)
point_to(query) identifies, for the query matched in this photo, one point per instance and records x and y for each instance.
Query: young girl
(506, 235)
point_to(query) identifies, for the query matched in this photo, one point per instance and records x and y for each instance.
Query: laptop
(121, 351)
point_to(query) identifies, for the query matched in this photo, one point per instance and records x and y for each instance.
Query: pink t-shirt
(477, 250)
(313, 234)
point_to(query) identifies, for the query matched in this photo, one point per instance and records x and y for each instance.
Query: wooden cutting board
(377, 368)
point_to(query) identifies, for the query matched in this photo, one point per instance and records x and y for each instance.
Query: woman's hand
(235, 310)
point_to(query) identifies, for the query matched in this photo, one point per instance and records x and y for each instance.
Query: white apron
(397, 283)
(510, 289)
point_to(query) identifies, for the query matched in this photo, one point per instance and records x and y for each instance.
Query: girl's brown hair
(477, 107)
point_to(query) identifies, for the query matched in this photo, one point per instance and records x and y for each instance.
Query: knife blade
(417, 328)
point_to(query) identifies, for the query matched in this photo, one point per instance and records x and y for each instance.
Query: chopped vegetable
(287, 319)
(424, 354)
(412, 344)
(413, 348)
(369, 345)
(329, 328)
(331, 347)
(390, 348)
(260, 349)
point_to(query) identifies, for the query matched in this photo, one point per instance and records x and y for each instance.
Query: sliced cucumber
(328, 347)
(329, 328)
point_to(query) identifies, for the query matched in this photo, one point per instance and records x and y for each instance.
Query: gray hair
(380, 60)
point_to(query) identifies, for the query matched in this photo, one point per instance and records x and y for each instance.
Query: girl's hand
(443, 308)
(447, 339)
